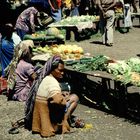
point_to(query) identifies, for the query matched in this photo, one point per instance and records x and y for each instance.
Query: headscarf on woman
(20, 51)
(46, 70)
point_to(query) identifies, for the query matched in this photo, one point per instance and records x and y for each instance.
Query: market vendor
(51, 108)
(21, 72)
(28, 20)
(51, 7)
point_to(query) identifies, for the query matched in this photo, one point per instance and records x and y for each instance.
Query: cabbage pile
(127, 71)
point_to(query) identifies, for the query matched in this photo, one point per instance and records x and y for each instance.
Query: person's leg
(102, 24)
(72, 104)
(74, 12)
(56, 15)
(73, 120)
(109, 27)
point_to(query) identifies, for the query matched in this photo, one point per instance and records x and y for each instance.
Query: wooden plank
(100, 74)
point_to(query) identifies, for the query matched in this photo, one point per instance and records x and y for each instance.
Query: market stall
(47, 36)
(84, 26)
(77, 25)
(66, 51)
(100, 79)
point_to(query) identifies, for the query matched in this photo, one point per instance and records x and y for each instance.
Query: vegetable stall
(77, 26)
(94, 76)
(107, 83)
(47, 36)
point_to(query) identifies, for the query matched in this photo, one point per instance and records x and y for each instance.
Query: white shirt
(49, 87)
(16, 39)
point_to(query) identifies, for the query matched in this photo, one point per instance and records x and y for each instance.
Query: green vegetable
(134, 63)
(92, 64)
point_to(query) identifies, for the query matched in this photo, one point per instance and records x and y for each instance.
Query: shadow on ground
(107, 95)
(97, 42)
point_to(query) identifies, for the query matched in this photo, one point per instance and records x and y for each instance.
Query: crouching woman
(50, 110)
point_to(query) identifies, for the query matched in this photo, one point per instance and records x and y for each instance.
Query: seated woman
(21, 72)
(46, 107)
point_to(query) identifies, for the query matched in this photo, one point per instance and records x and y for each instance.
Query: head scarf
(48, 66)
(46, 70)
(20, 50)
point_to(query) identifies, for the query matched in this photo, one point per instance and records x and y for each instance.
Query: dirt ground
(101, 125)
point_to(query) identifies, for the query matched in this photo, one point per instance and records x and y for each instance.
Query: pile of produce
(66, 51)
(50, 33)
(75, 20)
(91, 64)
(127, 71)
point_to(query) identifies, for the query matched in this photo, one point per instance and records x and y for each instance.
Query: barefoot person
(46, 107)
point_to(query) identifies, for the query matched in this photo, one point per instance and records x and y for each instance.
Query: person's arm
(98, 2)
(110, 6)
(32, 22)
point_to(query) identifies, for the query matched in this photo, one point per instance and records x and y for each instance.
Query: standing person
(21, 72)
(75, 8)
(46, 106)
(127, 16)
(9, 41)
(56, 11)
(70, 8)
(27, 20)
(133, 4)
(107, 18)
(135, 10)
(52, 7)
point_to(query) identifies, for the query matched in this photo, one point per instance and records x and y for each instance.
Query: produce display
(127, 71)
(49, 34)
(66, 51)
(91, 64)
(75, 20)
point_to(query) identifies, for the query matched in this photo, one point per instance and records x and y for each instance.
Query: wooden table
(112, 94)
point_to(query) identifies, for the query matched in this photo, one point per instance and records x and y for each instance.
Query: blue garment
(6, 53)
(21, 33)
(56, 15)
(74, 12)
(45, 3)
